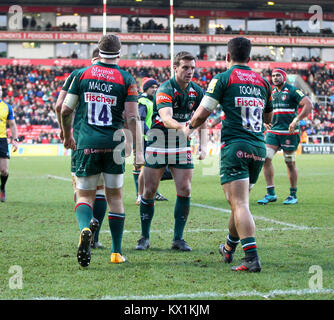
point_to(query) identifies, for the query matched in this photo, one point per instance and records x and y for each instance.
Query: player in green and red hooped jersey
(174, 102)
(246, 100)
(106, 96)
(284, 133)
(100, 203)
(145, 107)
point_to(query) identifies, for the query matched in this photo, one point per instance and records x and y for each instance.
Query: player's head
(278, 76)
(109, 47)
(184, 67)
(150, 86)
(238, 51)
(95, 56)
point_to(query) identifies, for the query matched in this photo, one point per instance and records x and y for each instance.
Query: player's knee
(290, 158)
(4, 172)
(242, 212)
(149, 192)
(227, 198)
(114, 194)
(270, 154)
(184, 190)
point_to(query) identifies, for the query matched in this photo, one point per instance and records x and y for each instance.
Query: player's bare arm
(13, 130)
(128, 138)
(68, 106)
(203, 140)
(206, 107)
(58, 106)
(268, 117)
(200, 116)
(307, 106)
(214, 123)
(166, 115)
(133, 123)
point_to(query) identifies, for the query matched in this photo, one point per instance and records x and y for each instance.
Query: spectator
(278, 28)
(33, 23)
(130, 24)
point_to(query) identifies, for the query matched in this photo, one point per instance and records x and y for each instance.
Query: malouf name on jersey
(92, 85)
(100, 98)
(249, 102)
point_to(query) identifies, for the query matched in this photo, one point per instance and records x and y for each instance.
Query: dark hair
(110, 43)
(95, 53)
(240, 49)
(183, 55)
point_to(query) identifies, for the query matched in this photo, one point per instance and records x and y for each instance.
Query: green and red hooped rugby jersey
(77, 115)
(102, 89)
(183, 103)
(244, 96)
(285, 104)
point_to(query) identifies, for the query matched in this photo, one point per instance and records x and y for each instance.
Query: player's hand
(69, 143)
(14, 146)
(202, 153)
(267, 126)
(187, 131)
(61, 135)
(139, 160)
(128, 149)
(138, 167)
(293, 125)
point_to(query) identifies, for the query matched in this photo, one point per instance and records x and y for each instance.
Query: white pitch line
(255, 217)
(59, 178)
(226, 230)
(237, 294)
(210, 207)
(217, 209)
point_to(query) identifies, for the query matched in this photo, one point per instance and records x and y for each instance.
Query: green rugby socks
(135, 178)
(249, 247)
(116, 225)
(99, 212)
(271, 190)
(146, 215)
(293, 192)
(181, 212)
(232, 242)
(84, 213)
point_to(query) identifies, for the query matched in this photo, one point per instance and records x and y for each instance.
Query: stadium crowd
(135, 25)
(32, 91)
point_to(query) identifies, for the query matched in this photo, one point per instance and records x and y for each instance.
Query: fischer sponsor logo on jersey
(100, 98)
(249, 102)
